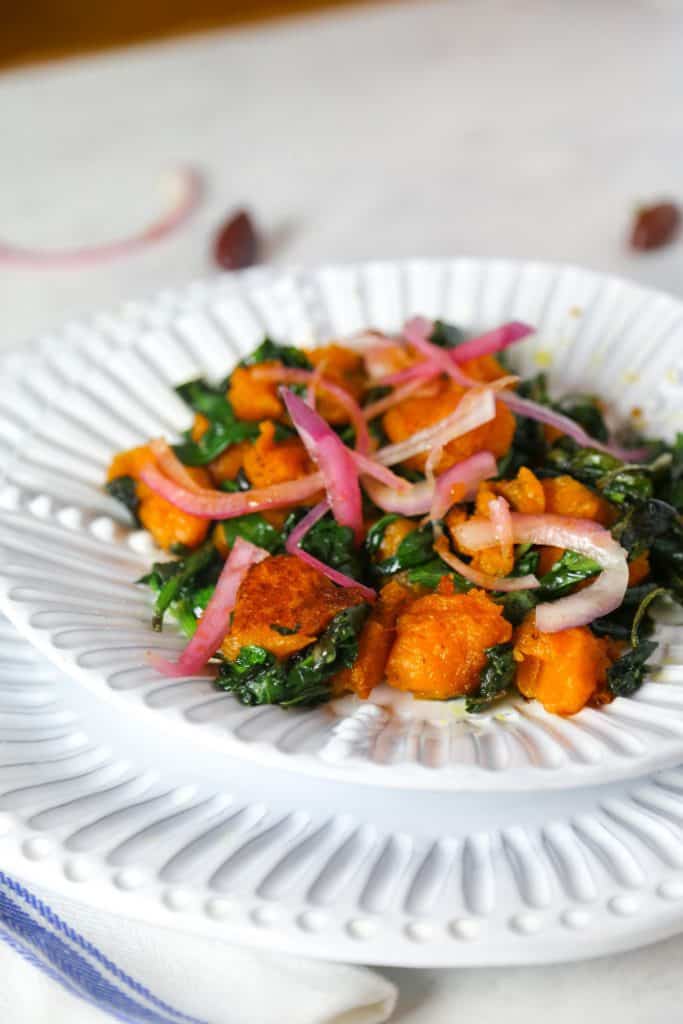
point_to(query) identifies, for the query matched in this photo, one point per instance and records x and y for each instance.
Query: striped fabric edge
(32, 929)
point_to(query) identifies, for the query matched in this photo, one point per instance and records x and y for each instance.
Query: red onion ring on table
(215, 622)
(588, 538)
(188, 188)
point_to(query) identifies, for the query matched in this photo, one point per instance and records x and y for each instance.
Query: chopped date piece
(237, 243)
(655, 226)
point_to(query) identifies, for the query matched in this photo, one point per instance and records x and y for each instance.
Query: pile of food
(404, 510)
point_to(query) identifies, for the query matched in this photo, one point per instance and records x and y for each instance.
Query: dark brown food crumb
(237, 243)
(655, 226)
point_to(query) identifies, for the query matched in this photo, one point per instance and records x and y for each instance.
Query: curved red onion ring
(433, 460)
(188, 186)
(471, 471)
(603, 595)
(313, 516)
(434, 457)
(423, 372)
(293, 543)
(315, 380)
(499, 511)
(367, 466)
(417, 332)
(427, 495)
(336, 464)
(542, 414)
(413, 502)
(214, 623)
(396, 396)
(379, 357)
(364, 339)
(210, 504)
(493, 341)
(474, 408)
(420, 373)
(171, 466)
(481, 579)
(313, 383)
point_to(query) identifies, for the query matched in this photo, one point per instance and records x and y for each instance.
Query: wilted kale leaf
(257, 677)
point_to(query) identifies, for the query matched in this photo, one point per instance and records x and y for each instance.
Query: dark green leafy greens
(496, 678)
(644, 523)
(254, 528)
(257, 677)
(627, 674)
(619, 623)
(330, 543)
(446, 335)
(526, 561)
(347, 434)
(528, 444)
(224, 427)
(240, 483)
(624, 486)
(285, 630)
(416, 548)
(375, 534)
(430, 574)
(584, 410)
(270, 351)
(616, 481)
(648, 499)
(181, 580)
(641, 620)
(571, 568)
(672, 490)
(122, 488)
(587, 465)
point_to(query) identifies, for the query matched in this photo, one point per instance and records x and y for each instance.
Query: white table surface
(526, 129)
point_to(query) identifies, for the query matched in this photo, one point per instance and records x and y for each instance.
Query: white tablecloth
(482, 127)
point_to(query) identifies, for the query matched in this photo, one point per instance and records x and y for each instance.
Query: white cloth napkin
(62, 962)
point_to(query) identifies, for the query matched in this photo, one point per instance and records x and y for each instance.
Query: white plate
(98, 807)
(67, 569)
